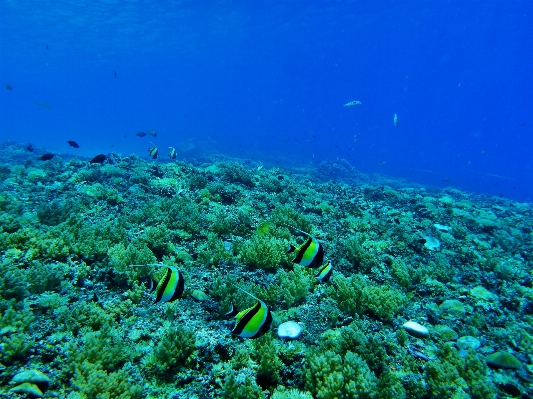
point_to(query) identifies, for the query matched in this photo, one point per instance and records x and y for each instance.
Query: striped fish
(252, 322)
(324, 274)
(153, 151)
(172, 153)
(170, 287)
(309, 254)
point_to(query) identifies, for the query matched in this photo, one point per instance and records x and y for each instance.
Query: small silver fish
(396, 120)
(419, 354)
(352, 103)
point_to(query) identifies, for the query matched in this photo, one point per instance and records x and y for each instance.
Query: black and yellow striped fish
(170, 287)
(153, 151)
(324, 274)
(310, 253)
(172, 153)
(252, 322)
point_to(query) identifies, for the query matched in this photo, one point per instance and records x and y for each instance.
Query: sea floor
(79, 320)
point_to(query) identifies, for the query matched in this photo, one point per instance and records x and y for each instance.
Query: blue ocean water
(268, 80)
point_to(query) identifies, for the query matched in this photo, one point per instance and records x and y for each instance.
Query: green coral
(91, 381)
(283, 393)
(212, 251)
(266, 354)
(121, 258)
(235, 173)
(105, 347)
(13, 283)
(293, 285)
(368, 345)
(451, 376)
(401, 272)
(355, 294)
(330, 376)
(241, 386)
(390, 386)
(175, 347)
(286, 216)
(356, 254)
(46, 277)
(15, 346)
(81, 315)
(158, 240)
(263, 251)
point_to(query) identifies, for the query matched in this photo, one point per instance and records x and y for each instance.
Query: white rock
(415, 329)
(443, 228)
(431, 243)
(289, 330)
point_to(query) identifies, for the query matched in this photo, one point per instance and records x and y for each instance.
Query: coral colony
(134, 277)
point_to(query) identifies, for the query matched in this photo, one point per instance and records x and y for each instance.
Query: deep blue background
(267, 80)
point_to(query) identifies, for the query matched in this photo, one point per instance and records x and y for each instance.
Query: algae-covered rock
(503, 360)
(41, 380)
(482, 293)
(28, 389)
(445, 333)
(452, 309)
(468, 342)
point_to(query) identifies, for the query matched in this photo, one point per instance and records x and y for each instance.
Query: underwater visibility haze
(269, 79)
(266, 199)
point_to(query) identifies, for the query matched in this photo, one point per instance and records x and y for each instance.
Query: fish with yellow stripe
(153, 151)
(170, 287)
(252, 322)
(324, 274)
(308, 254)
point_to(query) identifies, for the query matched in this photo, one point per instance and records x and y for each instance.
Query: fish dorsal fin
(247, 293)
(150, 264)
(301, 231)
(160, 265)
(156, 264)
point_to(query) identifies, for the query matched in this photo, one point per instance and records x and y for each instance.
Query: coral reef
(74, 309)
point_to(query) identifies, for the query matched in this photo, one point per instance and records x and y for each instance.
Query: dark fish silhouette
(47, 46)
(30, 147)
(9, 87)
(43, 105)
(98, 159)
(73, 144)
(47, 157)
(141, 134)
